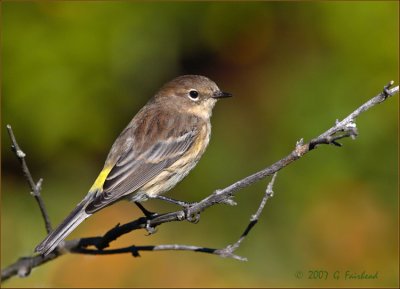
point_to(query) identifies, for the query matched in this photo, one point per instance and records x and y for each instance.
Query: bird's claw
(386, 89)
(192, 218)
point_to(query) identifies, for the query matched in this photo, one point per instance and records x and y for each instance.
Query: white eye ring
(193, 94)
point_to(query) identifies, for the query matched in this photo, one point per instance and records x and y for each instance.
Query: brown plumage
(157, 149)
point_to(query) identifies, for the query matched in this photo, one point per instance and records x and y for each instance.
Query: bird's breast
(169, 177)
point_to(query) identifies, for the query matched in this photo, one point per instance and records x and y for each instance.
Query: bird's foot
(192, 218)
(173, 201)
(189, 216)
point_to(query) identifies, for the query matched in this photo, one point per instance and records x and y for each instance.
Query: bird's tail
(77, 216)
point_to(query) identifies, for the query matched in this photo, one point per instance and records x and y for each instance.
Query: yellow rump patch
(99, 182)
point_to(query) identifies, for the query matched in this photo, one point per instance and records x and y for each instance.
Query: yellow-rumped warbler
(157, 149)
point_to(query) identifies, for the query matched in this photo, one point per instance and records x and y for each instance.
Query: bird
(158, 148)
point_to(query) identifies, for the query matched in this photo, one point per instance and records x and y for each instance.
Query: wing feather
(134, 169)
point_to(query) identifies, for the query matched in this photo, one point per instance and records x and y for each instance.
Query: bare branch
(23, 266)
(228, 250)
(342, 129)
(134, 250)
(35, 187)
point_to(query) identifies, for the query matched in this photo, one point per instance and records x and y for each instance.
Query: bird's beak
(221, 94)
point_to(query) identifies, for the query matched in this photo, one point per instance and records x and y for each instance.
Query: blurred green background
(75, 73)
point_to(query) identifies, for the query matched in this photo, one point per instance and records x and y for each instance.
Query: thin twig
(344, 128)
(35, 187)
(134, 250)
(228, 250)
(348, 123)
(24, 265)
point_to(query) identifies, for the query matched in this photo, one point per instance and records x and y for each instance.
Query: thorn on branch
(227, 252)
(19, 153)
(38, 188)
(135, 252)
(335, 143)
(269, 191)
(39, 185)
(300, 148)
(300, 142)
(228, 201)
(386, 91)
(147, 213)
(150, 230)
(338, 132)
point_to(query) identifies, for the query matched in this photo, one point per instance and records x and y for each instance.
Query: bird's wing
(138, 166)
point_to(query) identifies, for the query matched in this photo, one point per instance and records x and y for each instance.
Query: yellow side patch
(99, 182)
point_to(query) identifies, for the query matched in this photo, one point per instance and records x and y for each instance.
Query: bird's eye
(193, 94)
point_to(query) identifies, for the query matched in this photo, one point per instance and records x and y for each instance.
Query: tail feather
(77, 216)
